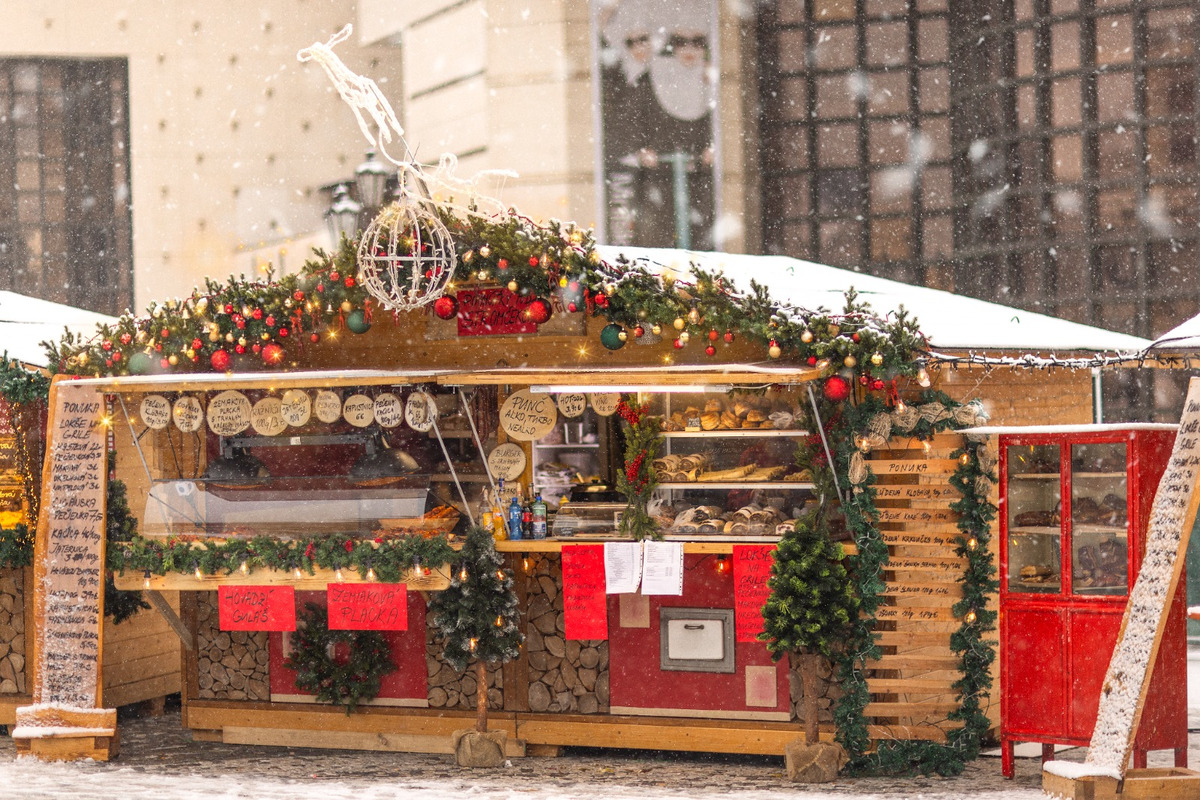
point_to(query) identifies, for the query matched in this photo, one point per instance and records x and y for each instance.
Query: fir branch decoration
(477, 616)
(344, 668)
(638, 480)
(16, 547)
(120, 527)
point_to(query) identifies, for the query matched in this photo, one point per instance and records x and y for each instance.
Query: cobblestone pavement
(159, 746)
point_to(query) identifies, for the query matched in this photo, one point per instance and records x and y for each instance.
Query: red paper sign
(257, 608)
(368, 607)
(585, 605)
(491, 312)
(751, 570)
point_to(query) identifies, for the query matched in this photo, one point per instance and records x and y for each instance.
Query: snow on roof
(25, 322)
(950, 321)
(1185, 336)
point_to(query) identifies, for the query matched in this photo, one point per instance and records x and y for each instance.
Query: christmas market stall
(473, 471)
(141, 642)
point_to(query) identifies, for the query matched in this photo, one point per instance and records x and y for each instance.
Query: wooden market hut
(623, 690)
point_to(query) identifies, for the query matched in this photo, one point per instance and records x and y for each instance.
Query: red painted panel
(408, 653)
(635, 679)
(1033, 663)
(1092, 635)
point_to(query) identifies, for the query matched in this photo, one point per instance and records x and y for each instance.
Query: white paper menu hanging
(662, 568)
(622, 567)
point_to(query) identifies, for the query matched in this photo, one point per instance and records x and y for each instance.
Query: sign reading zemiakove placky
(68, 597)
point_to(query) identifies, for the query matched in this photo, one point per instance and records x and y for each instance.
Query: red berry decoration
(710, 350)
(537, 312)
(220, 360)
(728, 336)
(446, 307)
(273, 354)
(836, 389)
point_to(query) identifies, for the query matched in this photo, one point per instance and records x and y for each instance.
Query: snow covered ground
(159, 761)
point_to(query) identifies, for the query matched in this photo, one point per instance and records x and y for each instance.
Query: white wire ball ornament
(406, 257)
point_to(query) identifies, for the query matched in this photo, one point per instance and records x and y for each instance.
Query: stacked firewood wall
(12, 631)
(231, 665)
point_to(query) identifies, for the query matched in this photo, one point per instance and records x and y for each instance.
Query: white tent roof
(950, 321)
(1185, 336)
(27, 321)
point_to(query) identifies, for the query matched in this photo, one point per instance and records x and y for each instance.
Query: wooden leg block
(97, 748)
(1166, 783)
(543, 750)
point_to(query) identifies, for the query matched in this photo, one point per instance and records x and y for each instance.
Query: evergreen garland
(16, 547)
(120, 527)
(19, 385)
(320, 669)
(388, 560)
(638, 479)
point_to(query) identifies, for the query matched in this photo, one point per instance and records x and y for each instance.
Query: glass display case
(1075, 508)
(728, 463)
(573, 453)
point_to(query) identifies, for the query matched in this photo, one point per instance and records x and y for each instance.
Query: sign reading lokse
(68, 571)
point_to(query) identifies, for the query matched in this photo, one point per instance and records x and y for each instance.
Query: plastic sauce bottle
(515, 515)
(497, 518)
(539, 517)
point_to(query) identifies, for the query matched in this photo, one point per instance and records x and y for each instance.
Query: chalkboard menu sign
(68, 598)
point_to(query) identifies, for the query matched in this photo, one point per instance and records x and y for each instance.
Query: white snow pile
(1075, 770)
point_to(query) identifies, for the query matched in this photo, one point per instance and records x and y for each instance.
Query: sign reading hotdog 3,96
(526, 416)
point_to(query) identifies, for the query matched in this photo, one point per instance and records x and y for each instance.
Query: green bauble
(357, 321)
(141, 364)
(613, 336)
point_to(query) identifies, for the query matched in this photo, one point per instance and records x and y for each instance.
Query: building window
(65, 229)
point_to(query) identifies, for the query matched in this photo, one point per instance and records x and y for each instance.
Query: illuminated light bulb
(425, 570)
(525, 564)
(199, 574)
(244, 568)
(499, 622)
(462, 576)
(964, 459)
(900, 406)
(474, 643)
(693, 316)
(923, 378)
(338, 573)
(370, 574)
(972, 543)
(500, 574)
(864, 445)
(722, 565)
(296, 572)
(146, 580)
(927, 446)
(970, 618)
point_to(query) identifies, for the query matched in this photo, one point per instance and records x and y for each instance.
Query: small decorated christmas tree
(477, 615)
(811, 604)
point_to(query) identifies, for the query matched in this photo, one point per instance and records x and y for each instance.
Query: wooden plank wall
(141, 658)
(910, 684)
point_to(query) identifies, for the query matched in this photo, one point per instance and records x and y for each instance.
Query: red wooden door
(1033, 663)
(1091, 636)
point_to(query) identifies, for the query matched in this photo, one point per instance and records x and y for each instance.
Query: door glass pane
(1034, 524)
(1099, 519)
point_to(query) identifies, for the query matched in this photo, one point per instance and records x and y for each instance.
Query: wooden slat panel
(922, 491)
(914, 614)
(922, 538)
(914, 466)
(932, 686)
(911, 638)
(930, 593)
(436, 580)
(913, 517)
(915, 710)
(914, 661)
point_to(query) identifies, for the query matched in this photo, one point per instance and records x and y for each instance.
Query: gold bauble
(172, 359)
(214, 336)
(485, 251)
(684, 336)
(806, 336)
(656, 329)
(877, 359)
(229, 337)
(775, 351)
(512, 286)
(562, 282)
(834, 330)
(266, 336)
(347, 306)
(849, 361)
(679, 323)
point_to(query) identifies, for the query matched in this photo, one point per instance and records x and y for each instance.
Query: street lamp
(342, 216)
(371, 179)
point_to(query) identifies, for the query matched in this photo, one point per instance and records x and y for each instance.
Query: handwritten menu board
(368, 607)
(526, 416)
(572, 405)
(1171, 518)
(507, 461)
(585, 605)
(492, 312)
(256, 608)
(69, 589)
(751, 571)
(359, 410)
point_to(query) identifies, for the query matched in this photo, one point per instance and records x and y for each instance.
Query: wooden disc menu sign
(156, 411)
(419, 412)
(229, 413)
(605, 403)
(267, 417)
(359, 410)
(296, 407)
(389, 411)
(65, 720)
(188, 414)
(526, 416)
(328, 406)
(507, 461)
(571, 405)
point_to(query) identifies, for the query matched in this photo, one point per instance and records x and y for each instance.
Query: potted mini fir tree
(808, 612)
(478, 619)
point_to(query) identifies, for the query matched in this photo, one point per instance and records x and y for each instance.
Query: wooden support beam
(161, 605)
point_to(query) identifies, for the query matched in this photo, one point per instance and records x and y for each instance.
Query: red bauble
(855, 336)
(602, 300)
(333, 276)
(197, 344)
(220, 360)
(117, 356)
(106, 344)
(639, 331)
(502, 264)
(298, 296)
(537, 312)
(257, 313)
(710, 350)
(836, 389)
(229, 308)
(877, 384)
(713, 335)
(812, 361)
(256, 347)
(108, 362)
(320, 287)
(314, 338)
(864, 380)
(533, 261)
(446, 307)
(239, 349)
(349, 283)
(678, 344)
(271, 321)
(728, 336)
(273, 354)
(573, 287)
(126, 338)
(165, 333)
(164, 363)
(572, 307)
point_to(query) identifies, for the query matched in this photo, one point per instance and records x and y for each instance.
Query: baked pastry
(730, 420)
(754, 415)
(713, 405)
(709, 420)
